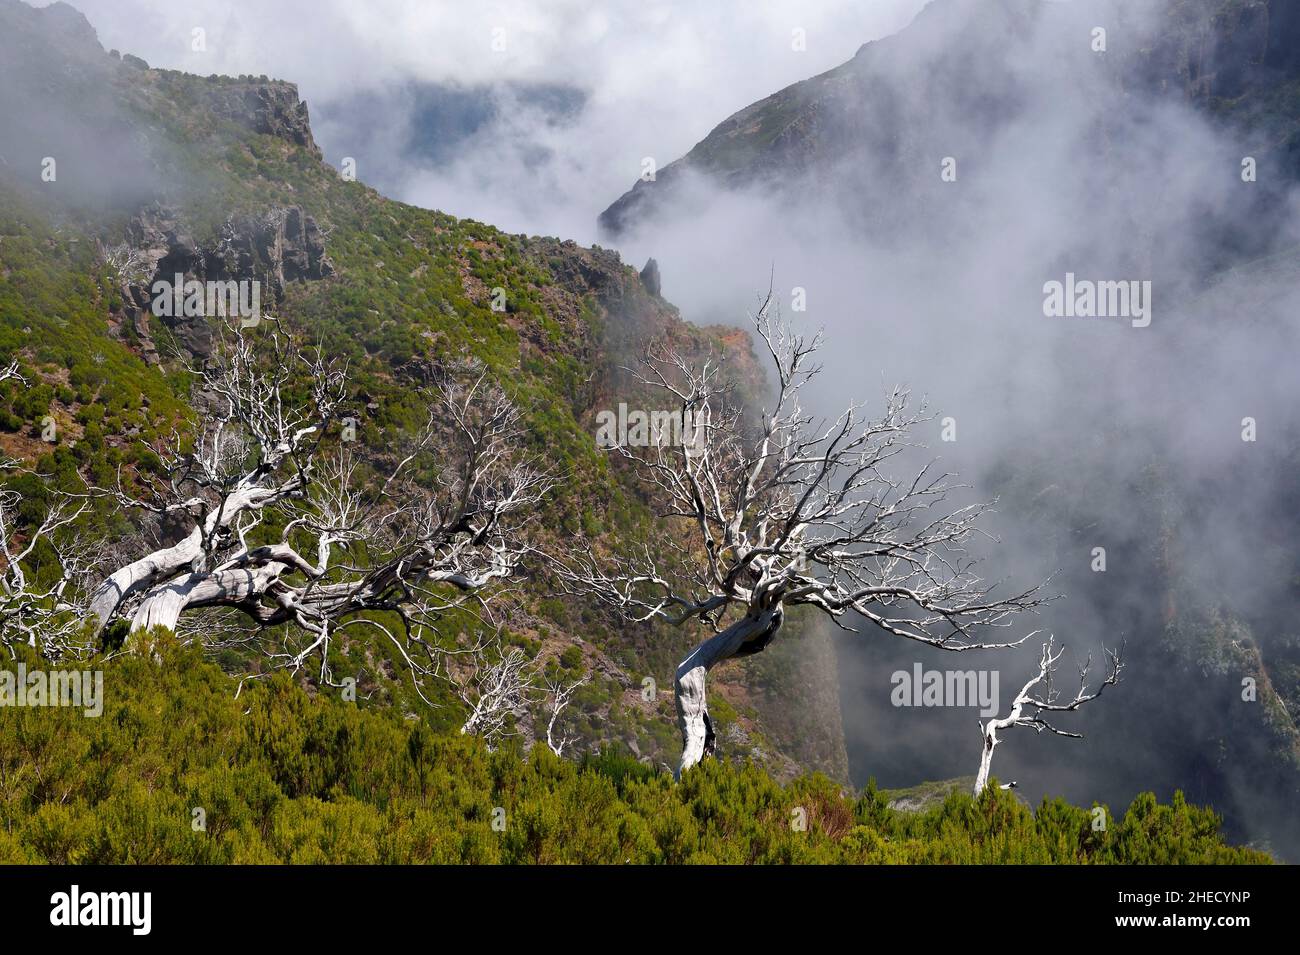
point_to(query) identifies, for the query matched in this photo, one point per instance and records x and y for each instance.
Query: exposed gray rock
(650, 277)
(278, 247)
(271, 108)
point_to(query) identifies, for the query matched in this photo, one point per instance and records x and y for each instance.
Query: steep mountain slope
(114, 175)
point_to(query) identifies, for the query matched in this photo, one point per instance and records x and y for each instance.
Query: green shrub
(279, 775)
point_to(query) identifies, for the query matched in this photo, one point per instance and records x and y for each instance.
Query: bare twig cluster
(502, 687)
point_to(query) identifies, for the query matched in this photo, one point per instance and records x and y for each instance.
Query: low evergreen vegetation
(179, 769)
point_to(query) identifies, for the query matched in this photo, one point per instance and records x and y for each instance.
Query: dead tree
(44, 616)
(502, 686)
(781, 509)
(497, 694)
(42, 611)
(560, 695)
(1037, 697)
(287, 528)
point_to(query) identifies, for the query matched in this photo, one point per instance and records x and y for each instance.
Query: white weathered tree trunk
(991, 741)
(163, 607)
(747, 635)
(228, 587)
(142, 574)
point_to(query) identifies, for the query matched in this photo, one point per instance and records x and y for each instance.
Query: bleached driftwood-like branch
(10, 372)
(1039, 696)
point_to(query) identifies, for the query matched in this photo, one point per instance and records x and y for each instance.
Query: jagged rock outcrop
(650, 277)
(269, 107)
(275, 248)
(284, 244)
(635, 313)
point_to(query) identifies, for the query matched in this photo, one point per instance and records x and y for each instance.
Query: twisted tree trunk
(241, 586)
(169, 563)
(746, 636)
(142, 574)
(991, 741)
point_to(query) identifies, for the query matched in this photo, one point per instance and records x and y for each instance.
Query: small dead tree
(284, 531)
(1037, 697)
(496, 693)
(44, 615)
(790, 511)
(501, 687)
(126, 260)
(560, 695)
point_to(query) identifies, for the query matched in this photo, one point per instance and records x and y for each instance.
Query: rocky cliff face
(269, 107)
(64, 97)
(97, 112)
(275, 248)
(1206, 51)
